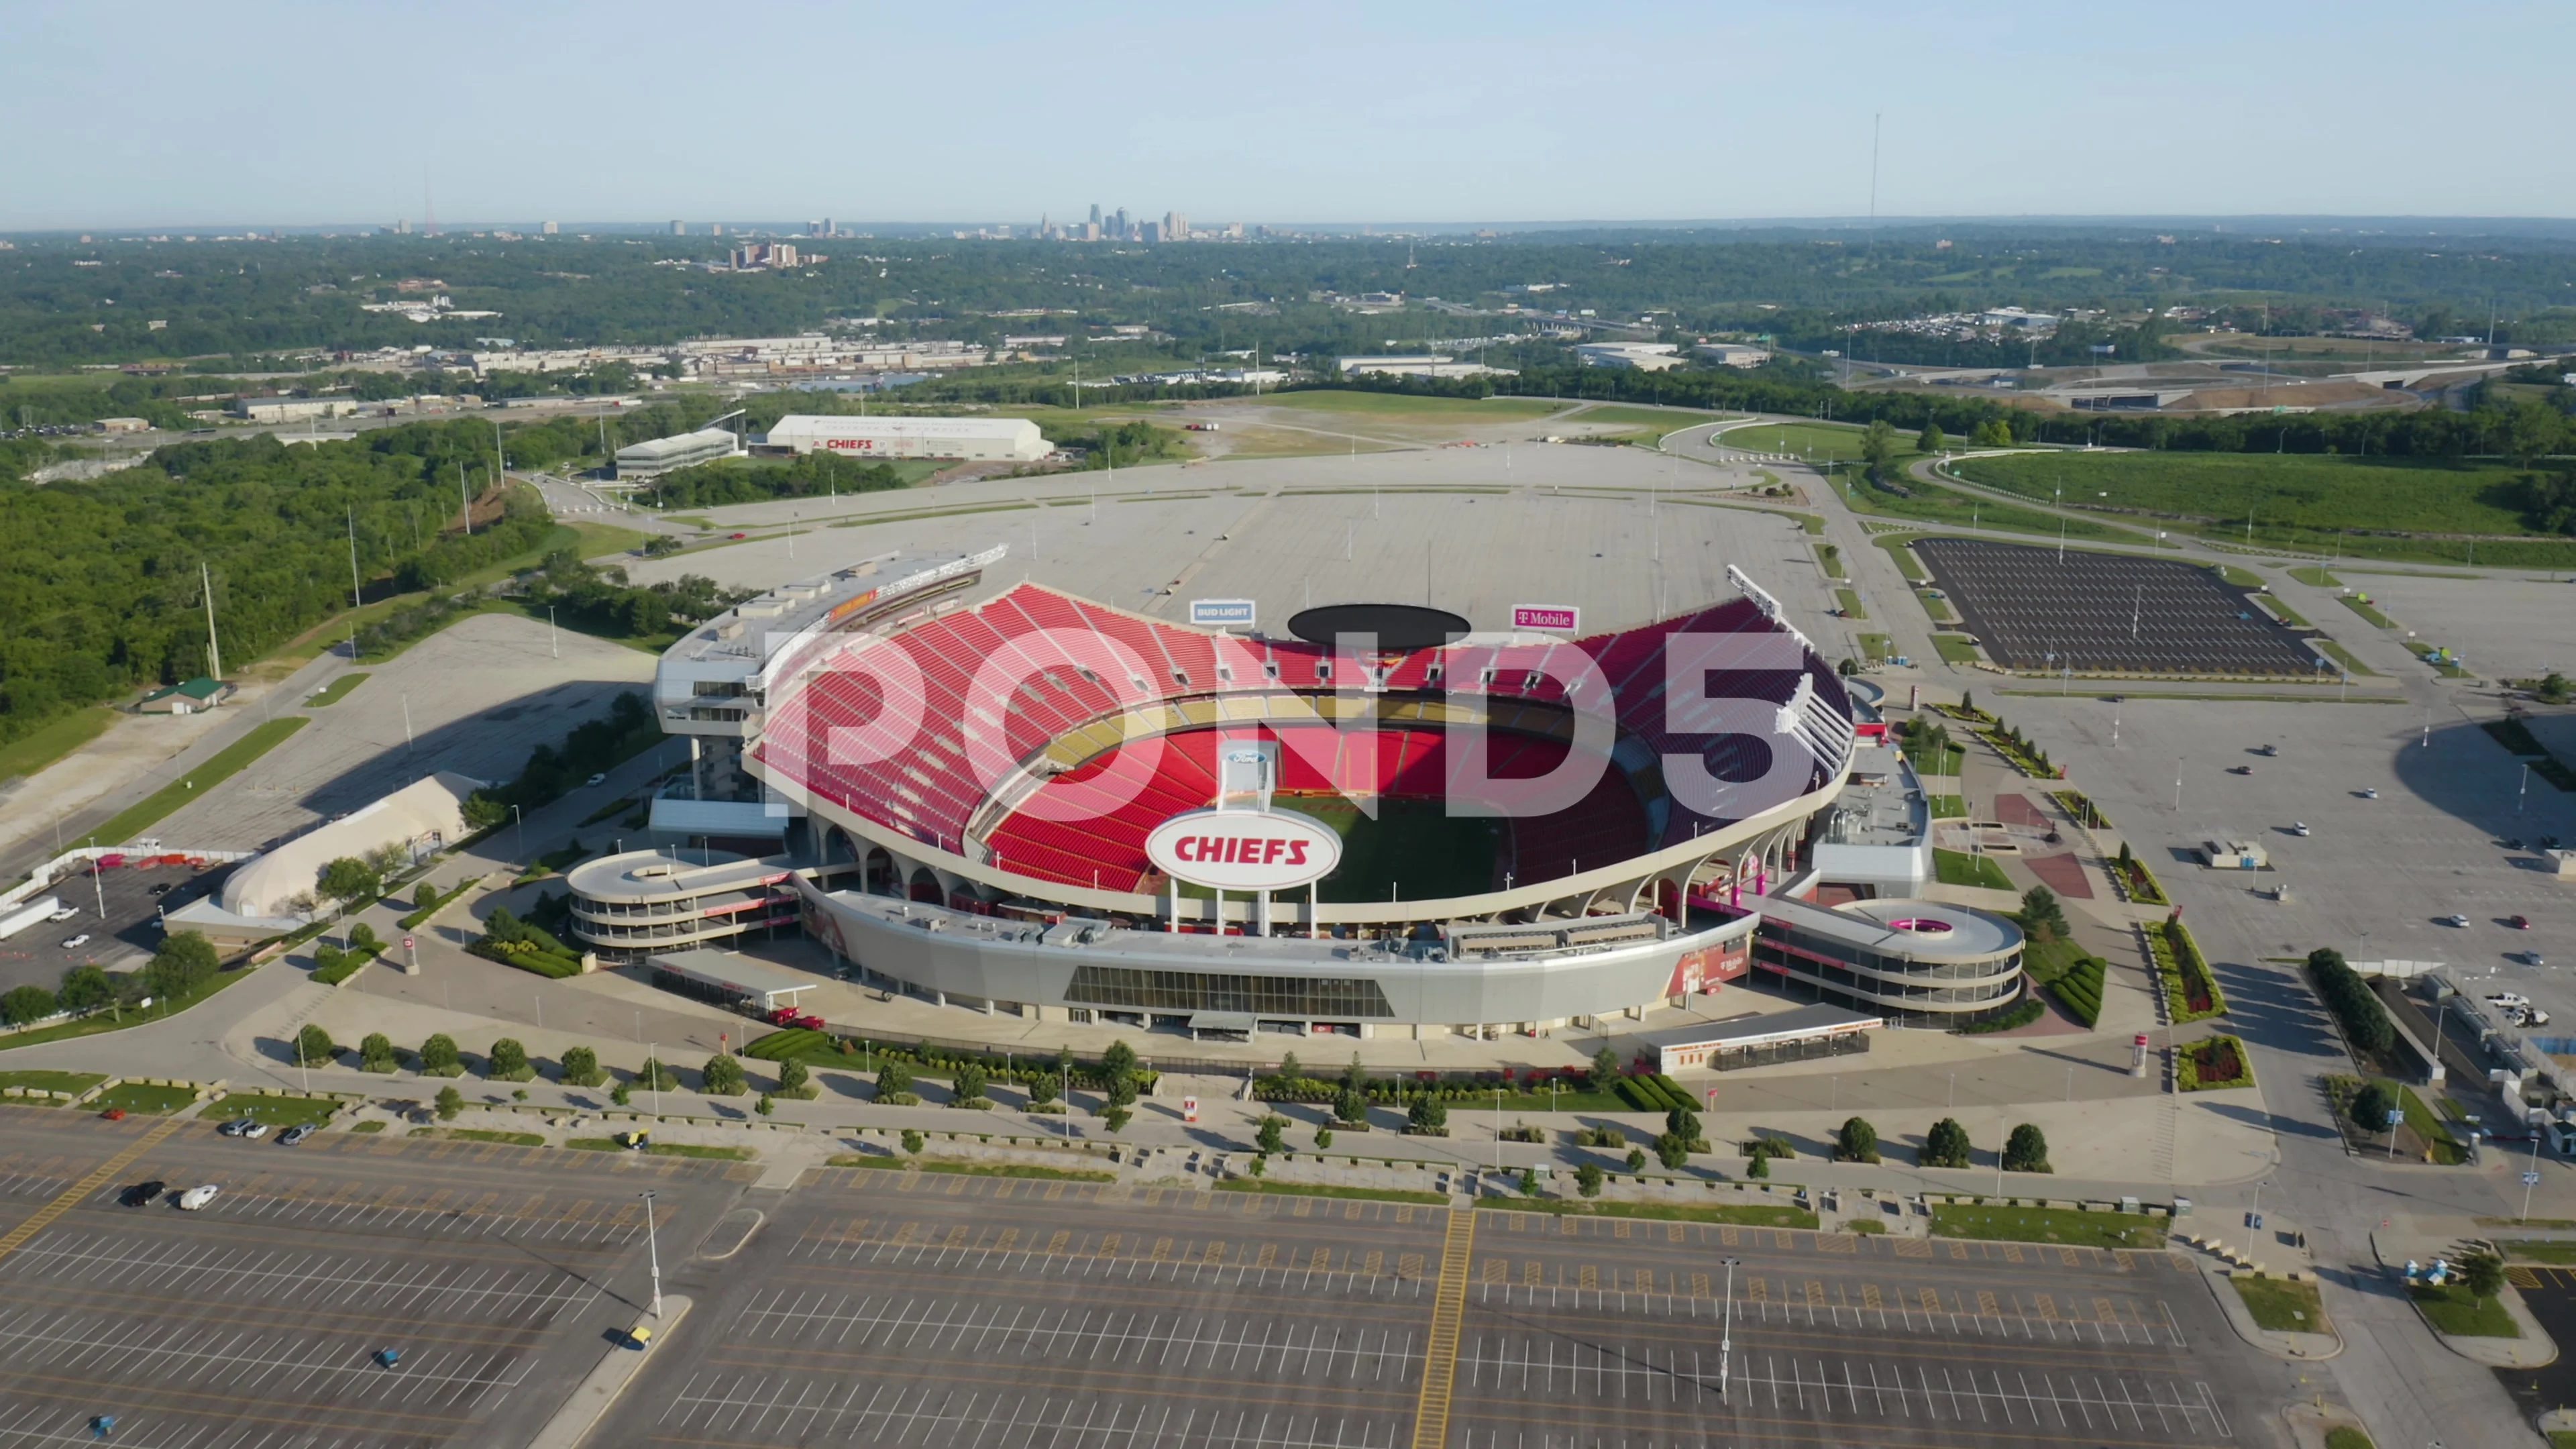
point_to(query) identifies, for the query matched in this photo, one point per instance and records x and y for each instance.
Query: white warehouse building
(657, 456)
(974, 439)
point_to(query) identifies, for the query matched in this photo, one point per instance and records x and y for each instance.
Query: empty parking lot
(2104, 613)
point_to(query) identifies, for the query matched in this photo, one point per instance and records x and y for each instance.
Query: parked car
(2456, 920)
(2508, 998)
(254, 1130)
(198, 1196)
(233, 1128)
(294, 1134)
(76, 942)
(2300, 827)
(595, 780)
(2519, 923)
(144, 1194)
(2530, 958)
(2370, 792)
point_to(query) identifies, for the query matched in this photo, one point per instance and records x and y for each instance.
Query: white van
(197, 1197)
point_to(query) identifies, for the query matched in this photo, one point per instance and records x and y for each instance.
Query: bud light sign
(1244, 850)
(1563, 617)
(1221, 613)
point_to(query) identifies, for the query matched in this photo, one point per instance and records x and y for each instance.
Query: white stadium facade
(1015, 800)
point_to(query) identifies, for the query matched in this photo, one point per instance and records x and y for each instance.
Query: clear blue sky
(154, 114)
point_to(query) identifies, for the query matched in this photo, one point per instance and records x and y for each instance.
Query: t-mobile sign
(1547, 616)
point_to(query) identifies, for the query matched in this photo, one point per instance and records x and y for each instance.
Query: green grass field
(142, 1100)
(47, 743)
(1413, 847)
(1877, 646)
(53, 1081)
(1956, 648)
(1851, 604)
(231, 760)
(1996, 1222)
(1654, 420)
(1399, 407)
(2451, 1309)
(2294, 499)
(337, 690)
(1959, 868)
(1304, 1189)
(1752, 1215)
(275, 1111)
(2281, 1305)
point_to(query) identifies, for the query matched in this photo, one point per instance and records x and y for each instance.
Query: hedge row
(2079, 990)
(808, 1045)
(527, 958)
(1655, 1092)
(2022, 1015)
(2355, 1005)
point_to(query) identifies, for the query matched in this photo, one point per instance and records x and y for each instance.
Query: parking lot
(128, 934)
(259, 1319)
(892, 1308)
(2108, 613)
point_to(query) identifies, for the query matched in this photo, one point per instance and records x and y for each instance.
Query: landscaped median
(2191, 992)
(1742, 1215)
(1320, 1189)
(971, 1169)
(2010, 1221)
(659, 1149)
(2211, 1064)
(2280, 1304)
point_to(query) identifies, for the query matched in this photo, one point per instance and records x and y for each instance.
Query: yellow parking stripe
(1440, 1351)
(63, 1201)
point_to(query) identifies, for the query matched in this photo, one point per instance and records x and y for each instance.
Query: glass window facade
(1139, 989)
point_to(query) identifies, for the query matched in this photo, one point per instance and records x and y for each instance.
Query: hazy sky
(155, 114)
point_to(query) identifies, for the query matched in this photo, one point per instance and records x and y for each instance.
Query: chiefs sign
(1244, 850)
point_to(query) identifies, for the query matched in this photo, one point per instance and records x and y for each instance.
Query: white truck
(32, 913)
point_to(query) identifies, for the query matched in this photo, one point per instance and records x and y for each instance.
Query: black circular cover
(1397, 626)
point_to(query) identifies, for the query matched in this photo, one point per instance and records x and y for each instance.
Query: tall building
(1118, 227)
(679, 228)
(1176, 226)
(1150, 232)
(716, 230)
(403, 227)
(1095, 213)
(548, 228)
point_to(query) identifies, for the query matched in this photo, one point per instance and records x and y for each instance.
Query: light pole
(2257, 1210)
(653, 1247)
(653, 1064)
(1726, 1335)
(2002, 1137)
(2530, 1177)
(519, 830)
(1498, 1132)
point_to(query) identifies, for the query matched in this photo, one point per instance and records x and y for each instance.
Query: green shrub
(1946, 1145)
(1271, 1135)
(314, 1047)
(721, 1076)
(1427, 1117)
(450, 1102)
(1587, 1179)
(508, 1062)
(581, 1066)
(2026, 1150)
(969, 1083)
(911, 1140)
(2357, 1007)
(1116, 1119)
(894, 1079)
(439, 1058)
(1857, 1142)
(376, 1053)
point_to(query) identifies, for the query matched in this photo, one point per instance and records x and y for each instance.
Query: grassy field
(50, 742)
(1903, 556)
(661, 1149)
(2284, 612)
(2281, 1305)
(275, 1111)
(471, 1134)
(142, 1100)
(53, 1081)
(1851, 604)
(1398, 407)
(1413, 846)
(1995, 1222)
(101, 1021)
(337, 690)
(1959, 868)
(2539, 1250)
(1654, 421)
(1831, 563)
(2295, 500)
(231, 760)
(1956, 648)
(1819, 441)
(973, 1169)
(1946, 807)
(2451, 1309)
(2376, 619)
(1877, 646)
(1931, 503)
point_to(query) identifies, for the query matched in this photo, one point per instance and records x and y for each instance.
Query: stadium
(1010, 798)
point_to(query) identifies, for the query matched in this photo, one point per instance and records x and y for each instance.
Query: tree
(580, 1065)
(1946, 1145)
(2042, 918)
(762, 1106)
(1427, 1116)
(85, 988)
(1856, 1142)
(1119, 1060)
(2372, 1104)
(2481, 1273)
(1683, 1123)
(2026, 1150)
(1121, 1091)
(376, 1053)
(1350, 1106)
(1878, 448)
(1042, 1089)
(314, 1047)
(621, 1094)
(894, 1079)
(721, 1076)
(1269, 1138)
(2552, 689)
(1354, 1081)
(1116, 1119)
(450, 1102)
(1289, 1067)
(1587, 1179)
(507, 1060)
(185, 962)
(1529, 1182)
(1605, 1069)
(438, 1056)
(911, 1140)
(1673, 1151)
(1323, 1138)
(968, 1081)
(349, 880)
(24, 1004)
(1930, 440)
(1993, 433)
(792, 1077)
